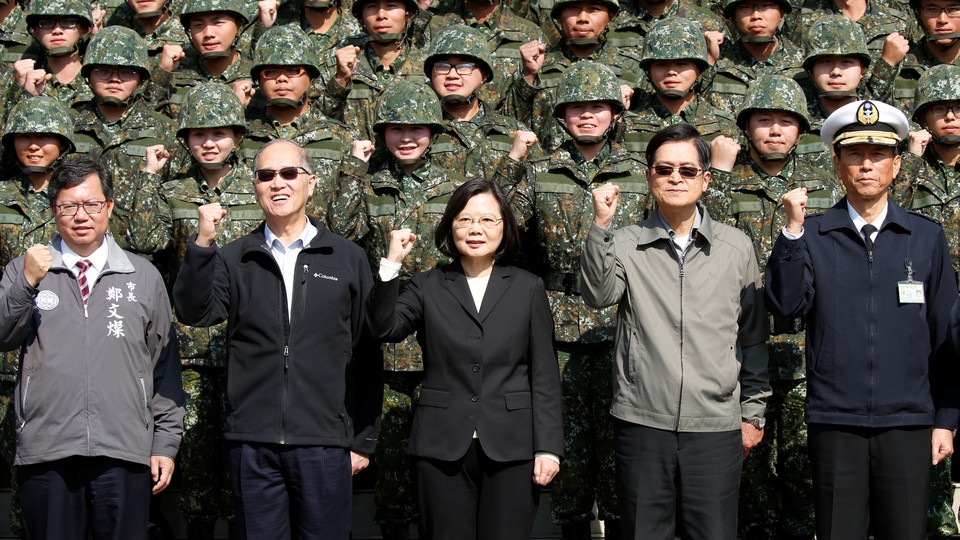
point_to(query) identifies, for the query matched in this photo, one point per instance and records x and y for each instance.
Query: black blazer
(493, 372)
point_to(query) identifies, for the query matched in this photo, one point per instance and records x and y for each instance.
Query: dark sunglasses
(687, 172)
(288, 174)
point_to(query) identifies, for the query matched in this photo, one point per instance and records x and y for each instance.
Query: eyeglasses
(465, 221)
(65, 23)
(939, 111)
(288, 174)
(750, 7)
(290, 72)
(90, 207)
(107, 72)
(443, 68)
(686, 171)
(932, 12)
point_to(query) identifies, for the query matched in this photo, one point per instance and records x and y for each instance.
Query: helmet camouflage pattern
(39, 114)
(357, 9)
(614, 6)
(59, 8)
(285, 46)
(730, 5)
(117, 46)
(775, 93)
(938, 83)
(233, 7)
(408, 102)
(460, 40)
(587, 80)
(835, 35)
(674, 39)
(211, 105)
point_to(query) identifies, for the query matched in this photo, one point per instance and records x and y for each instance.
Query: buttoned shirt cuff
(792, 236)
(389, 269)
(548, 455)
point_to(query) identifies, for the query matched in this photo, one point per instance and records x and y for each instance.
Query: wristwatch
(756, 422)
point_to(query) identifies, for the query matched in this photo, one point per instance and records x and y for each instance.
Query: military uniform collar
(838, 217)
(490, 26)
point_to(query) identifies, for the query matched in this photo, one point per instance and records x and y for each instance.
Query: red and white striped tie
(83, 264)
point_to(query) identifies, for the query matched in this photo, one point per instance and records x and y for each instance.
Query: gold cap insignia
(867, 114)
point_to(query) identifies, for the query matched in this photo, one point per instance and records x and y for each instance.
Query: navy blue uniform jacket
(871, 360)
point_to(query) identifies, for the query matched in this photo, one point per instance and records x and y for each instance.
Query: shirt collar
(859, 222)
(98, 258)
(305, 237)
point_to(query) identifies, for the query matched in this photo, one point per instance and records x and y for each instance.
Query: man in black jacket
(303, 399)
(875, 284)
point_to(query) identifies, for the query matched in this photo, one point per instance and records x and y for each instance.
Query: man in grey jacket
(690, 377)
(99, 404)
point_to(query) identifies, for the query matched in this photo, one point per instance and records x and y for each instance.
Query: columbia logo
(324, 276)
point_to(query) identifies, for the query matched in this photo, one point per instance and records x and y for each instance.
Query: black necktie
(868, 231)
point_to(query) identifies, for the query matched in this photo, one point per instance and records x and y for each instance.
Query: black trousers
(61, 499)
(476, 498)
(677, 484)
(291, 492)
(870, 479)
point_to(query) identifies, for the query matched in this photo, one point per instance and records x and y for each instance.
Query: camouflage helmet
(211, 104)
(285, 46)
(587, 80)
(460, 40)
(674, 38)
(408, 102)
(614, 6)
(730, 5)
(357, 9)
(938, 83)
(40, 114)
(834, 35)
(117, 46)
(774, 93)
(40, 9)
(232, 7)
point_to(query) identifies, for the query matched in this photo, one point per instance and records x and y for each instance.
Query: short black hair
(73, 172)
(443, 237)
(680, 133)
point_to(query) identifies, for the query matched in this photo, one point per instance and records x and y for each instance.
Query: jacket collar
(456, 282)
(838, 218)
(652, 230)
(117, 260)
(257, 240)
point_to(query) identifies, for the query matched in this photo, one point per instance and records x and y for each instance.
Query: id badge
(911, 292)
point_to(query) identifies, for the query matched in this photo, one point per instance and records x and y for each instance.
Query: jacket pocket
(434, 398)
(145, 405)
(634, 358)
(518, 400)
(23, 403)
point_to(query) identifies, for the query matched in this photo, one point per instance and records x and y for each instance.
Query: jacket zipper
(680, 393)
(143, 392)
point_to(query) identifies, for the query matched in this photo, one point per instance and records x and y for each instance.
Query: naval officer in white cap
(875, 285)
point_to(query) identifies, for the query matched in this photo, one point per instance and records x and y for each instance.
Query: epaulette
(929, 218)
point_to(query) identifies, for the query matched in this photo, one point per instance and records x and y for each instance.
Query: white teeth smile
(279, 198)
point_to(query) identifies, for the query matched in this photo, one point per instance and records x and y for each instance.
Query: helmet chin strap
(947, 140)
(671, 93)
(952, 38)
(771, 156)
(287, 103)
(216, 55)
(113, 101)
(581, 42)
(756, 40)
(456, 100)
(317, 4)
(62, 51)
(149, 14)
(837, 95)
(35, 169)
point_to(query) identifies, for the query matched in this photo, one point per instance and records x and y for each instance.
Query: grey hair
(304, 159)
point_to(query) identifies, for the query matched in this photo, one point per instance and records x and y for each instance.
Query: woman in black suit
(487, 430)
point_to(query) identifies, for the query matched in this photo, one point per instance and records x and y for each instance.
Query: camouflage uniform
(533, 104)
(395, 200)
(932, 187)
(916, 63)
(727, 81)
(674, 39)
(191, 70)
(503, 33)
(776, 490)
(168, 32)
(562, 206)
(121, 145)
(25, 220)
(344, 27)
(338, 196)
(880, 20)
(15, 37)
(478, 147)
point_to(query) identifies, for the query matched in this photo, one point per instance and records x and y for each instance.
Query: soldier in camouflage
(761, 49)
(218, 50)
(409, 191)
(391, 47)
(938, 43)
(16, 43)
(155, 22)
(323, 20)
(59, 27)
(119, 127)
(38, 136)
(284, 68)
(477, 142)
(586, 33)
(589, 105)
(674, 59)
(929, 183)
(210, 129)
(776, 492)
(502, 32)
